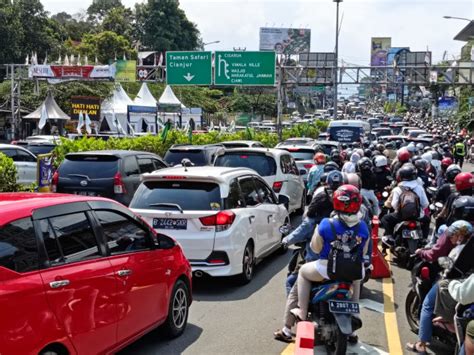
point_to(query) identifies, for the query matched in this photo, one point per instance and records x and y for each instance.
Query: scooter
(408, 238)
(334, 315)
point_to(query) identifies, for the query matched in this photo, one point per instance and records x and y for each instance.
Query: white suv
(226, 219)
(277, 167)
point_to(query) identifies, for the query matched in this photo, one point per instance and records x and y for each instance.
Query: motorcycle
(334, 315)
(408, 238)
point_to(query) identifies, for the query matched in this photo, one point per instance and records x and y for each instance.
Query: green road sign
(245, 68)
(188, 68)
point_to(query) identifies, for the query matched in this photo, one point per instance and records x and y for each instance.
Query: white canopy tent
(114, 109)
(142, 121)
(52, 112)
(169, 98)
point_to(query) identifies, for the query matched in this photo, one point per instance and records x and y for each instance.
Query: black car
(110, 173)
(199, 155)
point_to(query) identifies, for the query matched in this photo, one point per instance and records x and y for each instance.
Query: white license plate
(86, 193)
(408, 234)
(344, 307)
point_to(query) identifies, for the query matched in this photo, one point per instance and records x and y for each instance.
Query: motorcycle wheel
(340, 345)
(412, 308)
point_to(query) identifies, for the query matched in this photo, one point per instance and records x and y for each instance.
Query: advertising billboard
(285, 40)
(85, 104)
(379, 47)
(126, 71)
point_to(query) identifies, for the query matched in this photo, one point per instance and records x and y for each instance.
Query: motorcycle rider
(365, 169)
(382, 173)
(350, 166)
(448, 188)
(390, 151)
(346, 225)
(314, 175)
(403, 156)
(441, 178)
(464, 183)
(456, 234)
(409, 181)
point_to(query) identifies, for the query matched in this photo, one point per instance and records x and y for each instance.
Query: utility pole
(336, 58)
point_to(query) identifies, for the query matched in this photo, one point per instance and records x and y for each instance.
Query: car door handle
(59, 284)
(123, 273)
(251, 218)
(269, 217)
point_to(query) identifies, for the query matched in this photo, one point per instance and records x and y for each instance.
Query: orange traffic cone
(380, 267)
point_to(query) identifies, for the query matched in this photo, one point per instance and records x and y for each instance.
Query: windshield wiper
(80, 175)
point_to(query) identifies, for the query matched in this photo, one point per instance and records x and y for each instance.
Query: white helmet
(380, 161)
(411, 147)
(427, 156)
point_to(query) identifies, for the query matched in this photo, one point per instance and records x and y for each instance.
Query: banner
(44, 172)
(285, 40)
(71, 72)
(126, 71)
(379, 47)
(147, 74)
(87, 105)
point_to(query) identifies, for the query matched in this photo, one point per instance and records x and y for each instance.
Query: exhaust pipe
(198, 274)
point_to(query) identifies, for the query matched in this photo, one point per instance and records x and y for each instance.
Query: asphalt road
(229, 319)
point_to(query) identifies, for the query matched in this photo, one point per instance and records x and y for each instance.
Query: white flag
(86, 60)
(43, 117)
(88, 124)
(66, 60)
(27, 60)
(80, 123)
(79, 59)
(45, 59)
(60, 60)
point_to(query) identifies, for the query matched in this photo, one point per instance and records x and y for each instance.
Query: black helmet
(364, 164)
(335, 156)
(334, 179)
(368, 153)
(366, 144)
(451, 172)
(407, 172)
(330, 166)
(421, 164)
(324, 177)
(463, 208)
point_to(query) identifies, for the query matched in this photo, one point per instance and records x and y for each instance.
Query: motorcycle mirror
(432, 207)
(385, 194)
(439, 205)
(432, 189)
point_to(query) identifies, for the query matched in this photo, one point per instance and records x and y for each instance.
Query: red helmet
(403, 155)
(464, 181)
(446, 162)
(347, 199)
(320, 158)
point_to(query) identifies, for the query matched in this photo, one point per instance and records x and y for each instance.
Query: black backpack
(408, 204)
(345, 257)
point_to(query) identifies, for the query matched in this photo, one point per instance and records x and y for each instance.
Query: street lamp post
(208, 43)
(336, 57)
(457, 18)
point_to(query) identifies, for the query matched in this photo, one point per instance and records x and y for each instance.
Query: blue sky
(411, 23)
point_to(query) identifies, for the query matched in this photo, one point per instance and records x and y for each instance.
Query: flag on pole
(86, 60)
(79, 59)
(96, 61)
(211, 127)
(88, 124)
(80, 124)
(27, 60)
(43, 117)
(250, 133)
(165, 131)
(66, 60)
(124, 56)
(160, 62)
(60, 60)
(45, 59)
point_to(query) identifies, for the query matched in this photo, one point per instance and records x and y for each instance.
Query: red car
(84, 275)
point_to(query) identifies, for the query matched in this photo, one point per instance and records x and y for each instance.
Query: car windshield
(92, 166)
(262, 164)
(175, 156)
(188, 195)
(40, 149)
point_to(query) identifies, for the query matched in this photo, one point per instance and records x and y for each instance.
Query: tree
(73, 28)
(11, 34)
(162, 26)
(106, 46)
(119, 20)
(100, 8)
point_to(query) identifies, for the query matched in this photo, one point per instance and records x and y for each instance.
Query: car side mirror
(302, 171)
(164, 242)
(284, 200)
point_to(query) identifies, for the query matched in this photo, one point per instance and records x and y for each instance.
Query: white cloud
(411, 23)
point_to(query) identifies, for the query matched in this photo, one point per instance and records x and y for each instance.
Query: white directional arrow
(189, 77)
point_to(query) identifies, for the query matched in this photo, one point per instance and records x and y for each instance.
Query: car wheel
(248, 264)
(178, 310)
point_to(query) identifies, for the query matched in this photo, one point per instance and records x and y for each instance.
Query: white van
(348, 131)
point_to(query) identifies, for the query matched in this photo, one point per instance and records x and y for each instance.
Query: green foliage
(101, 8)
(119, 20)
(394, 107)
(8, 174)
(11, 34)
(106, 46)
(162, 26)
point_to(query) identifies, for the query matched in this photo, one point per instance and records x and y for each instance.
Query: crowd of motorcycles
(379, 168)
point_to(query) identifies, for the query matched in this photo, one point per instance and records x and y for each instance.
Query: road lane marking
(289, 350)
(390, 315)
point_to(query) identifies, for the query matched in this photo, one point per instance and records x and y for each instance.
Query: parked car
(242, 144)
(84, 275)
(226, 219)
(199, 155)
(25, 162)
(109, 173)
(40, 147)
(277, 167)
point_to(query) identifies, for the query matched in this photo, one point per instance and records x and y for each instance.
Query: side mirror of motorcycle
(385, 194)
(432, 207)
(445, 262)
(432, 189)
(439, 205)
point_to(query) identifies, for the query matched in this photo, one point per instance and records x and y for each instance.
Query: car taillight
(277, 185)
(54, 182)
(412, 225)
(308, 166)
(222, 220)
(425, 273)
(119, 187)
